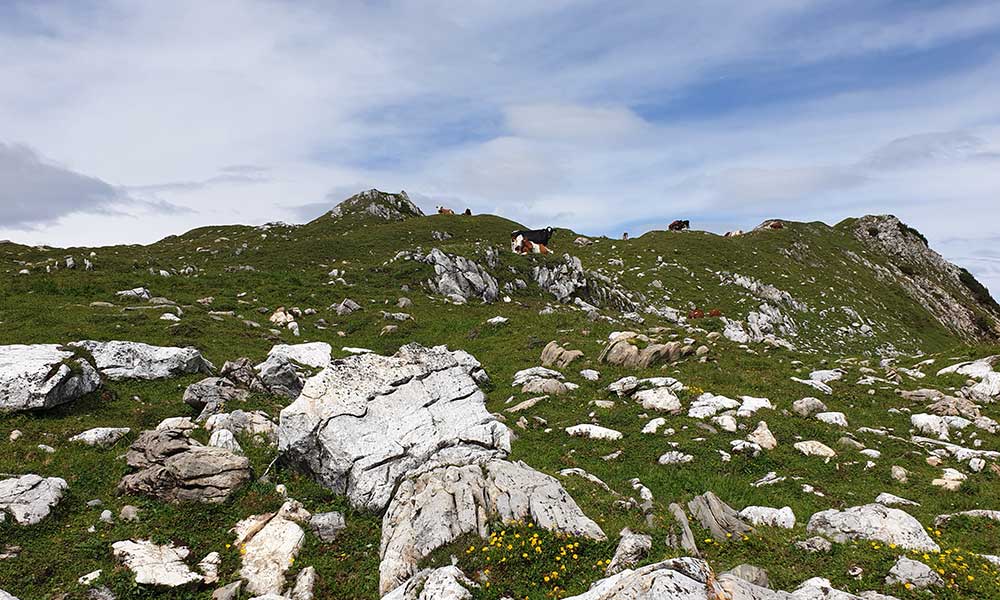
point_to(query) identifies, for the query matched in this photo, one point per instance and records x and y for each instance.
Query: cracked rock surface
(175, 468)
(873, 522)
(30, 498)
(155, 565)
(134, 360)
(39, 376)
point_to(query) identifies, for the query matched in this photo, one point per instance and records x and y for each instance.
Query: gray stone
(327, 526)
(632, 548)
(118, 360)
(30, 498)
(210, 396)
(156, 565)
(445, 583)
(175, 468)
(41, 376)
(807, 407)
(269, 544)
(815, 544)
(717, 517)
(228, 592)
(750, 573)
(346, 307)
(873, 522)
(101, 436)
(913, 572)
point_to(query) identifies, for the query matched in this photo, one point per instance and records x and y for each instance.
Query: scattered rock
(327, 526)
(913, 572)
(814, 448)
(594, 432)
(30, 498)
(269, 544)
(873, 522)
(42, 376)
(133, 360)
(101, 436)
(155, 565)
(445, 583)
(807, 407)
(717, 517)
(210, 396)
(175, 468)
(769, 517)
(632, 548)
(555, 355)
(763, 437)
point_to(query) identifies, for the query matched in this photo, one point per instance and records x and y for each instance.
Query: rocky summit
(384, 404)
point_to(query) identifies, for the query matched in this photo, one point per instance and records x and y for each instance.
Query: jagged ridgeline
(385, 404)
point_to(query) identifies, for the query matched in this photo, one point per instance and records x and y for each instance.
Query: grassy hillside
(250, 271)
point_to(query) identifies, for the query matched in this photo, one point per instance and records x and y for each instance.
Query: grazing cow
(736, 233)
(696, 314)
(625, 236)
(445, 211)
(679, 225)
(715, 313)
(776, 225)
(468, 212)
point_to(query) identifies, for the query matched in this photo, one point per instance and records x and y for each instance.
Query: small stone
(129, 513)
(107, 517)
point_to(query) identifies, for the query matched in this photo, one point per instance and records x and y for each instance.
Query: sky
(125, 122)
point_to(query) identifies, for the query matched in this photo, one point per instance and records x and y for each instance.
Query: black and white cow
(534, 236)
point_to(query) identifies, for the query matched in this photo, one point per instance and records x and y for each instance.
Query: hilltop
(718, 335)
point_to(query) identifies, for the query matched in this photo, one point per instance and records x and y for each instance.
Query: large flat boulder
(30, 498)
(41, 376)
(153, 564)
(118, 360)
(873, 522)
(173, 467)
(440, 505)
(365, 422)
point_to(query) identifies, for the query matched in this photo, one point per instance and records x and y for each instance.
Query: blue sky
(123, 121)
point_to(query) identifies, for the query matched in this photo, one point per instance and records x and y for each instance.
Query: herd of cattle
(536, 241)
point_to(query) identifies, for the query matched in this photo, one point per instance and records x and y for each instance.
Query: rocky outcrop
(438, 506)
(134, 360)
(42, 376)
(873, 522)
(555, 355)
(567, 280)
(175, 468)
(459, 278)
(410, 434)
(365, 422)
(210, 395)
(632, 548)
(678, 578)
(717, 517)
(383, 205)
(30, 498)
(287, 367)
(950, 294)
(623, 350)
(446, 583)
(153, 564)
(268, 545)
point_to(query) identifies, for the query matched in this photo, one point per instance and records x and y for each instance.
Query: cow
(538, 236)
(715, 313)
(445, 211)
(625, 236)
(528, 247)
(696, 313)
(776, 225)
(736, 233)
(468, 212)
(679, 225)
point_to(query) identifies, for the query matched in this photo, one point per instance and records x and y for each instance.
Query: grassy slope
(291, 269)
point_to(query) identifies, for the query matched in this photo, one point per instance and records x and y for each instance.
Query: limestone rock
(41, 376)
(833, 418)
(287, 366)
(594, 432)
(210, 396)
(155, 565)
(814, 448)
(716, 516)
(101, 436)
(223, 438)
(769, 517)
(346, 307)
(676, 579)
(913, 572)
(255, 424)
(459, 277)
(175, 468)
(366, 421)
(445, 583)
(873, 522)
(327, 526)
(30, 498)
(269, 544)
(118, 360)
(440, 505)
(632, 548)
(807, 407)
(763, 437)
(555, 355)
(660, 399)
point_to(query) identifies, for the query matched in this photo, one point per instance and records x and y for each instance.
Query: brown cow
(679, 225)
(445, 211)
(468, 212)
(696, 313)
(524, 246)
(715, 313)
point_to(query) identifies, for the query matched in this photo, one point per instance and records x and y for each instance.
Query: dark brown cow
(445, 211)
(679, 225)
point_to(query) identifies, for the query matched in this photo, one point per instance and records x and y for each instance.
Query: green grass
(810, 261)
